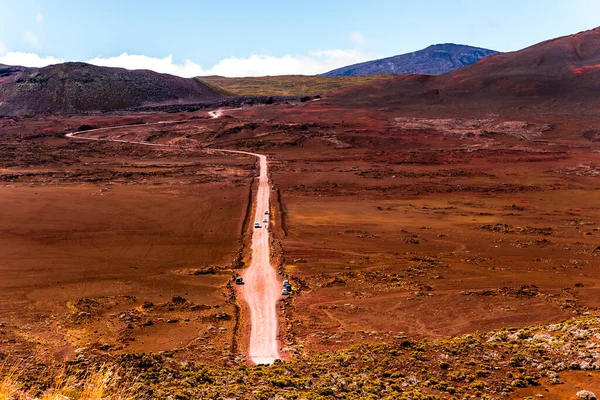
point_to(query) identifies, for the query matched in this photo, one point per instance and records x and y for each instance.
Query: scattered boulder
(86, 127)
(585, 395)
(178, 300)
(206, 271)
(147, 305)
(200, 307)
(514, 207)
(335, 281)
(509, 229)
(223, 316)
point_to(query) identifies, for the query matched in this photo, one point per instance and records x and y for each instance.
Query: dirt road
(215, 114)
(262, 288)
(262, 285)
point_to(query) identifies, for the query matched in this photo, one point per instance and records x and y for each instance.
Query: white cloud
(28, 59)
(31, 38)
(358, 38)
(163, 65)
(255, 65)
(39, 17)
(315, 62)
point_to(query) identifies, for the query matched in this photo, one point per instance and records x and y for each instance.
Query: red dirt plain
(385, 231)
(422, 233)
(574, 381)
(117, 247)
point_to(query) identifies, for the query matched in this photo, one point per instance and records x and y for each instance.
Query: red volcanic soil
(117, 246)
(561, 74)
(583, 70)
(388, 227)
(426, 226)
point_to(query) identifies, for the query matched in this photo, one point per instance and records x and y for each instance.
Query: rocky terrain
(432, 60)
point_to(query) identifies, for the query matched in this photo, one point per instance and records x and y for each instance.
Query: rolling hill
(79, 87)
(561, 74)
(435, 59)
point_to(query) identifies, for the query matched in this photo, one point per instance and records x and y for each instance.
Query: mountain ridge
(561, 74)
(432, 60)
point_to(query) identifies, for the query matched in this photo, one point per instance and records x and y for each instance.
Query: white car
(285, 292)
(257, 225)
(265, 221)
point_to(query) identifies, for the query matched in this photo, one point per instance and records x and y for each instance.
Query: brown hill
(76, 87)
(561, 74)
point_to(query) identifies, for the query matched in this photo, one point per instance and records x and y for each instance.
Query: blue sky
(237, 38)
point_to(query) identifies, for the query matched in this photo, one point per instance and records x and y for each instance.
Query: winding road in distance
(262, 286)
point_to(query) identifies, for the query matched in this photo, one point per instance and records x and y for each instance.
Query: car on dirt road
(239, 280)
(267, 212)
(265, 221)
(257, 225)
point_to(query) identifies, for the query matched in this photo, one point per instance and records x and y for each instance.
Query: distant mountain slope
(435, 59)
(76, 87)
(286, 85)
(562, 74)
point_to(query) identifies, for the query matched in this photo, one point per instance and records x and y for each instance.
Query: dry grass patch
(286, 85)
(103, 383)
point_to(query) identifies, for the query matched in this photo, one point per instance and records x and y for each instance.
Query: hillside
(286, 85)
(76, 87)
(435, 59)
(560, 74)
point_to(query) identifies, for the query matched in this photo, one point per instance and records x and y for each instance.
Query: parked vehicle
(265, 221)
(286, 282)
(285, 292)
(267, 212)
(239, 280)
(257, 225)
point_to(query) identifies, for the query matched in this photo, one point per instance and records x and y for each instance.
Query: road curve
(262, 287)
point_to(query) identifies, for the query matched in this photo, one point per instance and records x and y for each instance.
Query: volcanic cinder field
(438, 227)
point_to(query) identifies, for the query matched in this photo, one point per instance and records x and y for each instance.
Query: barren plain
(391, 228)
